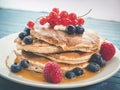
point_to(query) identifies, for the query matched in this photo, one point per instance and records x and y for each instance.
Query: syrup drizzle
(38, 77)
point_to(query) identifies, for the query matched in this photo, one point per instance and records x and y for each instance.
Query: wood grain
(12, 21)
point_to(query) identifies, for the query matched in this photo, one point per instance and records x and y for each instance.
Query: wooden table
(12, 21)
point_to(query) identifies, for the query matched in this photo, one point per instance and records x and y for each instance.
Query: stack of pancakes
(69, 51)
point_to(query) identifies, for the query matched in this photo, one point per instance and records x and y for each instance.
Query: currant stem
(86, 13)
(38, 19)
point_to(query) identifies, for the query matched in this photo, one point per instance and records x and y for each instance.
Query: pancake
(90, 43)
(37, 63)
(37, 47)
(69, 51)
(38, 66)
(69, 57)
(67, 42)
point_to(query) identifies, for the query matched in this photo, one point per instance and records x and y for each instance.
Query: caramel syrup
(35, 76)
(31, 75)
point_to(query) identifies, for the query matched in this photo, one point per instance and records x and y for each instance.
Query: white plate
(7, 45)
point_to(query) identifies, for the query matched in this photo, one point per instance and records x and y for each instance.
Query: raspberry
(52, 72)
(30, 24)
(107, 51)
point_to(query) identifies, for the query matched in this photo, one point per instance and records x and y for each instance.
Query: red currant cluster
(56, 17)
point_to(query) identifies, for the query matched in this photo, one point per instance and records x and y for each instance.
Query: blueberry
(79, 29)
(101, 62)
(93, 67)
(70, 74)
(22, 35)
(70, 29)
(15, 68)
(78, 71)
(27, 30)
(28, 40)
(97, 59)
(24, 63)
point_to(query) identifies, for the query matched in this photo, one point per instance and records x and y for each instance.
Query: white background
(102, 9)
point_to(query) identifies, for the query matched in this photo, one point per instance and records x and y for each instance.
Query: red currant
(30, 24)
(59, 21)
(66, 21)
(52, 14)
(74, 22)
(52, 24)
(43, 21)
(55, 10)
(47, 18)
(64, 14)
(53, 21)
(72, 16)
(80, 21)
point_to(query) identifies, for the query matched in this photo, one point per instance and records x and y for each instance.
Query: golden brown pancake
(37, 47)
(67, 42)
(88, 42)
(37, 63)
(69, 51)
(69, 57)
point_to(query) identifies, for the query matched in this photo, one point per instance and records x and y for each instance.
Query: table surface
(12, 21)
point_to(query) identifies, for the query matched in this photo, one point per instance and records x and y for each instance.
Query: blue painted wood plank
(12, 21)
(106, 85)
